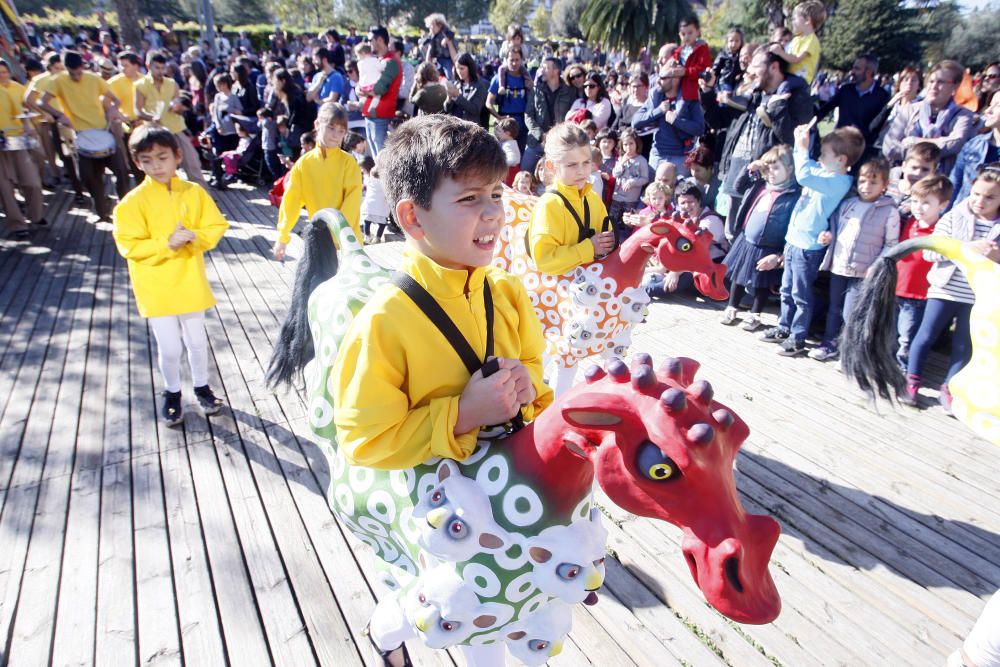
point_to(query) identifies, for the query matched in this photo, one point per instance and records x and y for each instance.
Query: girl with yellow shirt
(325, 177)
(163, 228)
(569, 226)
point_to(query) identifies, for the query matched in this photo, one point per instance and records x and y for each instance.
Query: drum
(95, 144)
(19, 143)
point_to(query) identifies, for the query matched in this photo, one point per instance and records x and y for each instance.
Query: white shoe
(729, 316)
(752, 323)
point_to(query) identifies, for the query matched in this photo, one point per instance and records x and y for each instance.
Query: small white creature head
(539, 637)
(587, 288)
(444, 610)
(619, 345)
(634, 302)
(458, 518)
(583, 332)
(569, 560)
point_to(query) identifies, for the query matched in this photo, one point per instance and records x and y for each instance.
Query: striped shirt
(957, 288)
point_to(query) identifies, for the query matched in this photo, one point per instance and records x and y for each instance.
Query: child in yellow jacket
(163, 228)
(325, 177)
(569, 225)
(402, 394)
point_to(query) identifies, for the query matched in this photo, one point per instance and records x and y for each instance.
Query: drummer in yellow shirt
(123, 86)
(401, 392)
(45, 124)
(163, 229)
(88, 104)
(325, 177)
(157, 101)
(16, 165)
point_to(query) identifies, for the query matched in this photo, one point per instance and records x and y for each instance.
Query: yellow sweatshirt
(124, 89)
(318, 181)
(11, 106)
(165, 281)
(553, 234)
(397, 381)
(156, 101)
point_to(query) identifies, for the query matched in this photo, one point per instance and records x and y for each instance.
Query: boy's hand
(486, 401)
(802, 136)
(987, 248)
(179, 237)
(279, 250)
(768, 263)
(757, 165)
(603, 243)
(522, 381)
(824, 238)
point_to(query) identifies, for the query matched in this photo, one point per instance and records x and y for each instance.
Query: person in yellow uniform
(325, 177)
(157, 101)
(569, 226)
(401, 393)
(123, 86)
(49, 134)
(163, 228)
(88, 104)
(16, 166)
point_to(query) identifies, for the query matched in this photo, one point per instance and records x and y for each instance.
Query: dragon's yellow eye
(660, 471)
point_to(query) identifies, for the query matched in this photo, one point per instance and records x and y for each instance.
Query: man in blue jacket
(678, 123)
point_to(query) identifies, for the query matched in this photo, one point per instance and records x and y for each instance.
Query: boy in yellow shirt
(402, 393)
(325, 177)
(569, 225)
(803, 52)
(163, 228)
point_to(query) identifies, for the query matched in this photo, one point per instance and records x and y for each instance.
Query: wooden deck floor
(123, 542)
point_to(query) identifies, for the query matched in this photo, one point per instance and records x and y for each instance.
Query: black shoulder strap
(435, 313)
(583, 226)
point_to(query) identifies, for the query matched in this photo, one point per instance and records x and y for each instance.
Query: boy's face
(984, 199)
(159, 163)
(658, 200)
(800, 22)
(733, 42)
(915, 168)
(460, 229)
(871, 185)
(689, 206)
(831, 161)
(332, 136)
(778, 172)
(688, 34)
(927, 208)
(607, 146)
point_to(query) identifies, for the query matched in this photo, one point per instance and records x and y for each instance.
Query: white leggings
(174, 333)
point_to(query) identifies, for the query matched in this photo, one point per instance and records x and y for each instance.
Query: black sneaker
(774, 335)
(792, 348)
(209, 402)
(172, 412)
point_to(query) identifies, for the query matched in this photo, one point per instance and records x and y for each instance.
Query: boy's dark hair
(689, 187)
(925, 151)
(72, 60)
(223, 79)
(606, 133)
(352, 140)
(367, 163)
(935, 185)
(308, 138)
(428, 149)
(508, 125)
(155, 57)
(690, 19)
(589, 124)
(282, 120)
(876, 165)
(380, 31)
(264, 112)
(130, 57)
(848, 142)
(32, 65)
(147, 137)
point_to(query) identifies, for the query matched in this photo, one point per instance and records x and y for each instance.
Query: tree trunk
(775, 12)
(128, 22)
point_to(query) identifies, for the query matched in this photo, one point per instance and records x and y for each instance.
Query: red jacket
(696, 63)
(912, 282)
(384, 106)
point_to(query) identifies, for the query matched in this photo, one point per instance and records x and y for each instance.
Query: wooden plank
(115, 633)
(615, 621)
(157, 626)
(32, 631)
(74, 639)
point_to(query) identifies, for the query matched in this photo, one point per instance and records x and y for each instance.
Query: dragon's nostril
(692, 565)
(732, 569)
